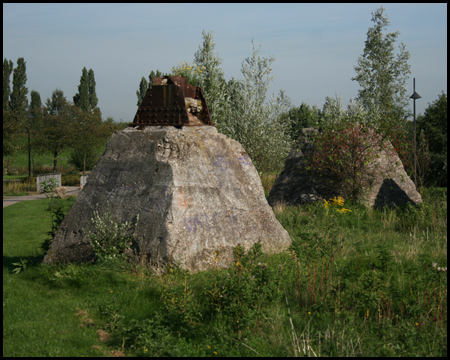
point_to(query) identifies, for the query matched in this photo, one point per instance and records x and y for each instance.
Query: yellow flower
(209, 347)
(309, 312)
(215, 352)
(417, 324)
(237, 264)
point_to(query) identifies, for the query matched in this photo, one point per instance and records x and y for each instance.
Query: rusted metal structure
(171, 101)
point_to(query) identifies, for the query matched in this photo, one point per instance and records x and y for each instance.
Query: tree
(143, 86)
(255, 123)
(212, 78)
(434, 125)
(86, 98)
(7, 70)
(19, 101)
(382, 76)
(10, 125)
(333, 110)
(342, 155)
(81, 99)
(153, 74)
(91, 132)
(423, 160)
(302, 117)
(57, 128)
(93, 100)
(34, 119)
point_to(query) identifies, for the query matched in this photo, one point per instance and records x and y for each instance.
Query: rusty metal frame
(164, 104)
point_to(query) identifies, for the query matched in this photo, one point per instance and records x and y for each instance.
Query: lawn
(353, 283)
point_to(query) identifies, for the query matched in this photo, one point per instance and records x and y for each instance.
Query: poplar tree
(86, 98)
(93, 100)
(10, 126)
(19, 101)
(153, 74)
(383, 75)
(212, 79)
(7, 70)
(81, 99)
(143, 86)
(34, 117)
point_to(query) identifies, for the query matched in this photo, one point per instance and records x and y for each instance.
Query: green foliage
(302, 117)
(70, 179)
(382, 75)
(14, 109)
(58, 216)
(7, 70)
(360, 283)
(256, 124)
(93, 100)
(153, 74)
(190, 71)
(241, 296)
(66, 126)
(83, 159)
(81, 99)
(212, 78)
(111, 240)
(20, 266)
(143, 86)
(19, 101)
(86, 98)
(342, 154)
(434, 125)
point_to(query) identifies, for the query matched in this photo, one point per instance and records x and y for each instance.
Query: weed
(110, 240)
(20, 266)
(359, 283)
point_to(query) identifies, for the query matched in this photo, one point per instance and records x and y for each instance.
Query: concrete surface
(10, 200)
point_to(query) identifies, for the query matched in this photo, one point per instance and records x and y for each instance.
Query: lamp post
(414, 97)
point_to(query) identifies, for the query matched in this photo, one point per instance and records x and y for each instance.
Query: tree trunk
(55, 162)
(29, 150)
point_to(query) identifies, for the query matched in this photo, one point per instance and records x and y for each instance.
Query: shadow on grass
(31, 261)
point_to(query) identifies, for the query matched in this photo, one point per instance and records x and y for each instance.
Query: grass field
(353, 283)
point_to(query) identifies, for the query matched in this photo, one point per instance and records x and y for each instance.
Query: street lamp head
(415, 96)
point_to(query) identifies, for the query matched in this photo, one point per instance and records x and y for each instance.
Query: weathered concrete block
(196, 193)
(388, 185)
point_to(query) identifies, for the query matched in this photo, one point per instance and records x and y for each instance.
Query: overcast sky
(316, 46)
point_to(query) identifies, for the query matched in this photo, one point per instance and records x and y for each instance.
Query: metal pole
(415, 153)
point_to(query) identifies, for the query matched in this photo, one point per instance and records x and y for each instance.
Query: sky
(315, 46)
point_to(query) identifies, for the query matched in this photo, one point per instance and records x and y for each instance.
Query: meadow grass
(354, 283)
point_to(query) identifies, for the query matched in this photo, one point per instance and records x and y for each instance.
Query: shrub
(83, 159)
(70, 179)
(341, 156)
(110, 240)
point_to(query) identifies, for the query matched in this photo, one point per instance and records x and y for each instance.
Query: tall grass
(355, 283)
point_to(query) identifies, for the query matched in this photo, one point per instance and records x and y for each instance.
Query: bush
(77, 158)
(341, 156)
(70, 179)
(110, 239)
